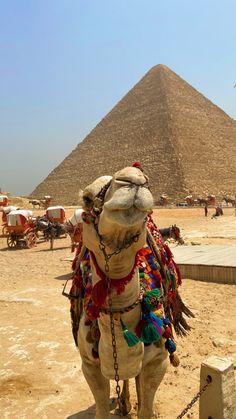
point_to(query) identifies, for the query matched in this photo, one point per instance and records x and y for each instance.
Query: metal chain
(107, 257)
(125, 245)
(195, 398)
(114, 351)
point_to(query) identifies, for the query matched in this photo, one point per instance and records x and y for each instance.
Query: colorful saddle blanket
(161, 304)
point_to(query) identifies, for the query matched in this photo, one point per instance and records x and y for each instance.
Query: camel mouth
(125, 181)
(130, 216)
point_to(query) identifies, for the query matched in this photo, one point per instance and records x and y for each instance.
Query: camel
(114, 230)
(44, 203)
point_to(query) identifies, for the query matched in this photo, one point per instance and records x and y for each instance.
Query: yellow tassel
(159, 312)
(174, 360)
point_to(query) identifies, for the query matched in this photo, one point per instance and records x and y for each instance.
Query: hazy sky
(64, 64)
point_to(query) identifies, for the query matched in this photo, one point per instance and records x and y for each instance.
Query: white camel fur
(123, 217)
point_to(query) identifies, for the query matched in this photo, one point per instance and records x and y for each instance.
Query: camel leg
(147, 383)
(125, 398)
(100, 388)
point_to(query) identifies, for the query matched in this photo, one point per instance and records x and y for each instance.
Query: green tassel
(152, 299)
(173, 279)
(153, 293)
(149, 333)
(168, 275)
(130, 337)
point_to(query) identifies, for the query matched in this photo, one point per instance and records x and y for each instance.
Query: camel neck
(124, 290)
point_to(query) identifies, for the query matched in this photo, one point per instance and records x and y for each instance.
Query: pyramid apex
(160, 67)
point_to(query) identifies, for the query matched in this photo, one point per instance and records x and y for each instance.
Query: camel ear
(91, 191)
(87, 201)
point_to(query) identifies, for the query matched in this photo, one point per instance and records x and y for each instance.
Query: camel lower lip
(130, 216)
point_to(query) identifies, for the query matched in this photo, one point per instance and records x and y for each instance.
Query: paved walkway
(205, 255)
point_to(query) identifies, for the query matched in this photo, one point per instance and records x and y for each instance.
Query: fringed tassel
(151, 300)
(99, 293)
(149, 333)
(130, 337)
(178, 308)
(174, 360)
(157, 323)
(171, 348)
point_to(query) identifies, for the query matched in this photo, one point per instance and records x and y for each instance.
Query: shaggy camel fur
(120, 218)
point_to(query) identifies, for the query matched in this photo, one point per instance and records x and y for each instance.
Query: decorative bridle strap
(123, 310)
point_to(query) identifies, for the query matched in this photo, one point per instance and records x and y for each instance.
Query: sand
(40, 371)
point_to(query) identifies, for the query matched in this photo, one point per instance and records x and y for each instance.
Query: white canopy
(18, 217)
(76, 217)
(9, 208)
(3, 198)
(56, 212)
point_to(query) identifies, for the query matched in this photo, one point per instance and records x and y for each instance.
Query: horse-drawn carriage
(52, 224)
(74, 228)
(56, 214)
(20, 229)
(6, 210)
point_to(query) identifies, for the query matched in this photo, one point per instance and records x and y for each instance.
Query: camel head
(121, 204)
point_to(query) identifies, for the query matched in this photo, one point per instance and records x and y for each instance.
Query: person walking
(206, 210)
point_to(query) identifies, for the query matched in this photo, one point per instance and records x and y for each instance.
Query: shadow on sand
(64, 277)
(90, 412)
(53, 250)
(13, 249)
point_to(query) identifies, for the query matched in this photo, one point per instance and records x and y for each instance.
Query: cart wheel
(31, 240)
(4, 231)
(12, 241)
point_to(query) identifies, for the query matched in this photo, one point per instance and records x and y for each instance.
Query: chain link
(107, 256)
(115, 365)
(195, 398)
(112, 323)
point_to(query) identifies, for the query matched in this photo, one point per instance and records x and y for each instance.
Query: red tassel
(78, 250)
(167, 333)
(78, 280)
(167, 249)
(99, 293)
(179, 280)
(139, 327)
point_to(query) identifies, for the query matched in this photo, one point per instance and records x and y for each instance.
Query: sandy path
(40, 372)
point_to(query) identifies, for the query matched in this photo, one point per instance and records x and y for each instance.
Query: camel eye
(88, 201)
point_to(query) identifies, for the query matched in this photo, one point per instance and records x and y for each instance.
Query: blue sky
(64, 64)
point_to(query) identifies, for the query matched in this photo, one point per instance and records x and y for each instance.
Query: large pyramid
(184, 142)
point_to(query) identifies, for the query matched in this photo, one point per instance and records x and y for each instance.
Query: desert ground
(40, 371)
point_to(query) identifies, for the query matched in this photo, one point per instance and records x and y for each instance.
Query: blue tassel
(156, 319)
(170, 346)
(166, 321)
